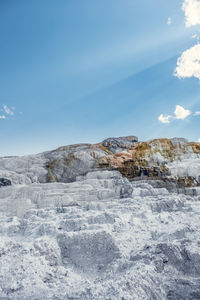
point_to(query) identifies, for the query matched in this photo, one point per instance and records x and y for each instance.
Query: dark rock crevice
(4, 182)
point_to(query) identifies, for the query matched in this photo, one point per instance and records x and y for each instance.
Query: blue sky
(80, 71)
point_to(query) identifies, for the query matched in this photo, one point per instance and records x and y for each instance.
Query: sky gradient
(84, 70)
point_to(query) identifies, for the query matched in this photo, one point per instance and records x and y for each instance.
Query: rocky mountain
(113, 220)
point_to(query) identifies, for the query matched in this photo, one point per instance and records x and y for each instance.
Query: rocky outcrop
(114, 220)
(118, 144)
(95, 186)
(158, 159)
(171, 159)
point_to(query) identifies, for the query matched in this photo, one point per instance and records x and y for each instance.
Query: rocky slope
(115, 220)
(163, 159)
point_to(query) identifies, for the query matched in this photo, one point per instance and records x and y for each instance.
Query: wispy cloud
(169, 21)
(6, 112)
(197, 113)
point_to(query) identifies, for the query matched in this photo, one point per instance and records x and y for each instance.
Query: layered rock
(157, 159)
(62, 164)
(95, 186)
(101, 222)
(101, 237)
(165, 159)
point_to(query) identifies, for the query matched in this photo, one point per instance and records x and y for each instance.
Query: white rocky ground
(187, 165)
(99, 238)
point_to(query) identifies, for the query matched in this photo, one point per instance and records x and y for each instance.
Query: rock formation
(111, 221)
(169, 160)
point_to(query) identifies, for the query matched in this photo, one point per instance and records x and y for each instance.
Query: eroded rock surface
(101, 237)
(92, 234)
(173, 159)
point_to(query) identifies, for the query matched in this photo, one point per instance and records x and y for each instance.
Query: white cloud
(191, 9)
(198, 140)
(2, 117)
(188, 65)
(197, 113)
(169, 21)
(7, 110)
(181, 113)
(164, 119)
